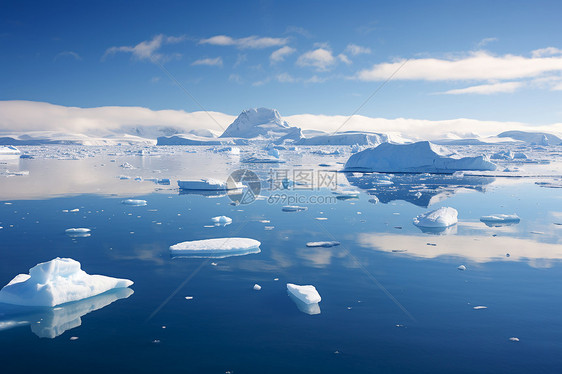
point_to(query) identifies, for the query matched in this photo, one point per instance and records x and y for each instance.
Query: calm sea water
(392, 297)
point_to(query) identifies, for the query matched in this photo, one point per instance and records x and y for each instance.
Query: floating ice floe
(257, 287)
(208, 185)
(293, 208)
(500, 219)
(55, 282)
(216, 248)
(462, 267)
(78, 232)
(346, 194)
(221, 220)
(439, 218)
(262, 159)
(420, 157)
(52, 322)
(479, 307)
(514, 339)
(134, 202)
(323, 244)
(305, 297)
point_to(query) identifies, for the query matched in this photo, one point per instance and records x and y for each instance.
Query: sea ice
(442, 217)
(293, 208)
(216, 248)
(80, 230)
(500, 219)
(222, 220)
(57, 282)
(257, 287)
(346, 194)
(134, 202)
(306, 294)
(208, 185)
(420, 157)
(462, 267)
(322, 244)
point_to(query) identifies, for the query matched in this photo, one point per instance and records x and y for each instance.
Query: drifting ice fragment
(514, 339)
(221, 220)
(462, 267)
(305, 297)
(293, 208)
(208, 185)
(79, 230)
(134, 202)
(57, 282)
(257, 287)
(322, 244)
(346, 194)
(478, 307)
(500, 219)
(439, 218)
(216, 248)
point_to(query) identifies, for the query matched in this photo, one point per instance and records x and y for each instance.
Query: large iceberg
(9, 151)
(538, 138)
(55, 282)
(305, 297)
(261, 122)
(346, 138)
(439, 218)
(216, 248)
(420, 157)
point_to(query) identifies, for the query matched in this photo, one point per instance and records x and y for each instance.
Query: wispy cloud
(217, 61)
(250, 42)
(72, 54)
(343, 58)
(355, 50)
(487, 89)
(321, 59)
(280, 54)
(486, 41)
(479, 65)
(147, 49)
(548, 51)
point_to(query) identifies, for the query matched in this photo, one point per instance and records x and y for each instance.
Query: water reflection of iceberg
(311, 309)
(53, 322)
(217, 254)
(419, 189)
(449, 230)
(206, 193)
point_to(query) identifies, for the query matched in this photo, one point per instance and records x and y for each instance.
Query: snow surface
(420, 157)
(219, 247)
(306, 294)
(207, 184)
(442, 217)
(55, 282)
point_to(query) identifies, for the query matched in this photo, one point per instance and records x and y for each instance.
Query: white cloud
(343, 58)
(355, 50)
(476, 66)
(72, 54)
(235, 78)
(280, 54)
(146, 49)
(485, 41)
(217, 61)
(250, 42)
(548, 51)
(487, 89)
(285, 78)
(321, 59)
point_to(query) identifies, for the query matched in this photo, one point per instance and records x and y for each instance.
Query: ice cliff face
(259, 122)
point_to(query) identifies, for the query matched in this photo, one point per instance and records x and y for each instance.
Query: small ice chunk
(257, 287)
(321, 218)
(57, 282)
(346, 194)
(79, 230)
(462, 267)
(293, 208)
(322, 244)
(221, 220)
(514, 339)
(499, 219)
(189, 297)
(134, 202)
(216, 248)
(306, 294)
(478, 307)
(442, 217)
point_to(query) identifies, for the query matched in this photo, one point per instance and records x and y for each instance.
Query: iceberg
(439, 218)
(293, 208)
(55, 282)
(262, 123)
(216, 248)
(323, 244)
(79, 232)
(208, 185)
(538, 138)
(346, 138)
(134, 202)
(420, 157)
(221, 220)
(9, 151)
(500, 219)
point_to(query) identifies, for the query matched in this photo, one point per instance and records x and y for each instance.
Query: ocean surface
(393, 298)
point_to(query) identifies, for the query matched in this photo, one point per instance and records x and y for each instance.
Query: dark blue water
(381, 311)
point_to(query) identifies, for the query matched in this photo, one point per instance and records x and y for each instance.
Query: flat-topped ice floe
(294, 208)
(305, 297)
(55, 282)
(322, 244)
(78, 232)
(216, 248)
(420, 157)
(439, 218)
(207, 185)
(134, 202)
(500, 219)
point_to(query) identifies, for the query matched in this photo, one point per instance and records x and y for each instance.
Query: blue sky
(499, 61)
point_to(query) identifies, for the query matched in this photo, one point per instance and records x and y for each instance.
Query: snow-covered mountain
(260, 123)
(538, 138)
